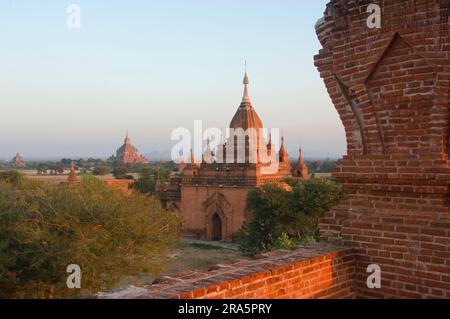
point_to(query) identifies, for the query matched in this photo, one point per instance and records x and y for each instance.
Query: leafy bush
(121, 173)
(284, 217)
(11, 176)
(101, 170)
(148, 176)
(285, 242)
(110, 235)
(146, 182)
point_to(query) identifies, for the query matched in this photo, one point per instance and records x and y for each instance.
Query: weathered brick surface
(391, 89)
(124, 185)
(312, 271)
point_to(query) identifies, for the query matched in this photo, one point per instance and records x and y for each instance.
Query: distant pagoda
(18, 161)
(72, 175)
(300, 168)
(127, 153)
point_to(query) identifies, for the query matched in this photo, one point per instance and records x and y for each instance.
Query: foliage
(121, 173)
(45, 227)
(285, 242)
(42, 169)
(102, 170)
(320, 166)
(148, 177)
(283, 217)
(10, 176)
(56, 168)
(97, 166)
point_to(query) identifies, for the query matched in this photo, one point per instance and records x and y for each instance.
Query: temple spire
(192, 159)
(283, 154)
(127, 139)
(301, 169)
(245, 97)
(300, 156)
(269, 145)
(208, 154)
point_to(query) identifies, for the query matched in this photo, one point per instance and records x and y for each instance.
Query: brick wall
(391, 89)
(312, 271)
(199, 204)
(124, 185)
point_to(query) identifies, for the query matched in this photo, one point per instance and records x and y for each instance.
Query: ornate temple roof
(282, 153)
(246, 116)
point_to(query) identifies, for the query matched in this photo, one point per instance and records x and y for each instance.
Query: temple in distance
(18, 161)
(128, 154)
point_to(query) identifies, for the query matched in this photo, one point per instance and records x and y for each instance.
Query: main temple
(212, 193)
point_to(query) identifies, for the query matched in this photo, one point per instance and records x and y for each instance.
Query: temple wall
(198, 204)
(312, 271)
(391, 89)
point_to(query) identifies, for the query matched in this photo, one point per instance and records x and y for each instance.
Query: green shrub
(11, 176)
(281, 214)
(101, 170)
(285, 242)
(121, 173)
(148, 176)
(110, 235)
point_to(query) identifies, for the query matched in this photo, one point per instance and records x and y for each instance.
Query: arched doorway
(216, 228)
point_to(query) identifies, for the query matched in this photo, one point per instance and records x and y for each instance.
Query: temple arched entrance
(216, 228)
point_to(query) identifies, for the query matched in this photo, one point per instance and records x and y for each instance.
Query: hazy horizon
(149, 67)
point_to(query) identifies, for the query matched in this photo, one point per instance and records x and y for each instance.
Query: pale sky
(152, 66)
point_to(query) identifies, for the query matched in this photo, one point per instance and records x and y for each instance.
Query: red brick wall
(313, 271)
(391, 89)
(120, 184)
(199, 204)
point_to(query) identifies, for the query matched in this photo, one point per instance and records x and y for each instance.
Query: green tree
(101, 170)
(121, 173)
(148, 177)
(110, 235)
(11, 176)
(146, 182)
(59, 168)
(282, 216)
(42, 169)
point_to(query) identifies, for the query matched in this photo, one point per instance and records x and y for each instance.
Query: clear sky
(152, 66)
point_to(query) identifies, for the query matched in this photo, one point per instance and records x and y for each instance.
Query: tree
(286, 216)
(110, 235)
(270, 206)
(59, 168)
(11, 176)
(66, 162)
(42, 169)
(121, 173)
(102, 170)
(146, 182)
(148, 177)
